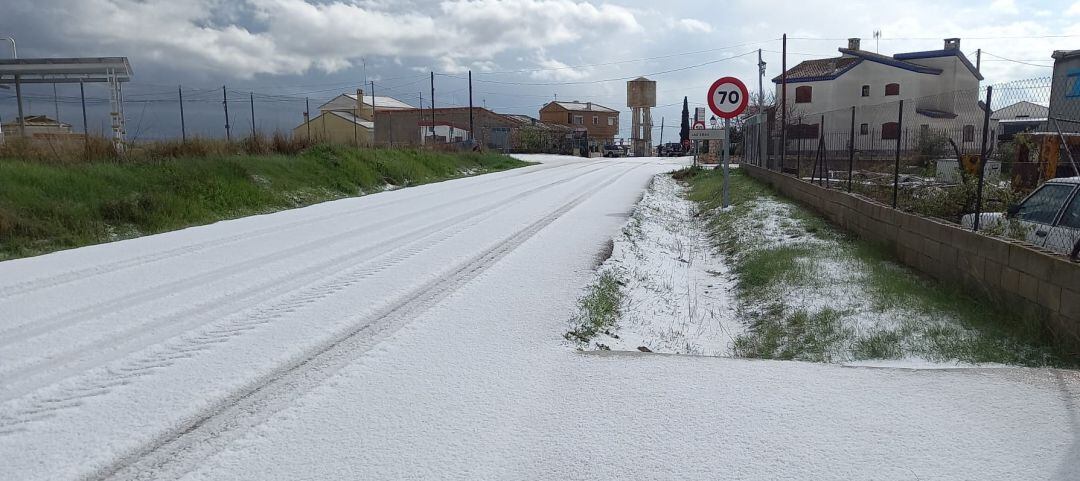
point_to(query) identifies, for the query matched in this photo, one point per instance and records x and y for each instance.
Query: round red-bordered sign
(728, 97)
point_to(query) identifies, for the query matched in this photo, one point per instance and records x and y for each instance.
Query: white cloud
(1004, 6)
(691, 25)
(557, 71)
(293, 36)
(1073, 10)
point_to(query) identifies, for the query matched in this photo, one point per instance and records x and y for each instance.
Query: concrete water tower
(641, 97)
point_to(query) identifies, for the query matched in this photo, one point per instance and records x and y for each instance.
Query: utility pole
(470, 109)
(373, 112)
(421, 122)
(225, 102)
(307, 116)
(762, 123)
(432, 106)
(661, 132)
(783, 106)
(183, 127)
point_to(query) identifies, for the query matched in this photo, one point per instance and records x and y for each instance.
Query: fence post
(982, 158)
(225, 102)
(798, 152)
(86, 128)
(896, 168)
(252, 116)
(183, 127)
(851, 151)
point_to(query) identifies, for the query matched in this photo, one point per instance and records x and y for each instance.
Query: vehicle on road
(670, 149)
(1049, 217)
(613, 150)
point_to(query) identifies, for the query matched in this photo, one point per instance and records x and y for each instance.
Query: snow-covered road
(416, 334)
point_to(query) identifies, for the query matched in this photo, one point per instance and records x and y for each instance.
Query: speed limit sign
(728, 97)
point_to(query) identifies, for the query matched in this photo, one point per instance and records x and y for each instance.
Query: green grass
(598, 309)
(930, 320)
(46, 207)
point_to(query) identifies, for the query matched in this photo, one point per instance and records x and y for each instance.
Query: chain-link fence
(990, 158)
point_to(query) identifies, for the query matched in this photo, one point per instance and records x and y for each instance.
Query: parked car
(613, 150)
(670, 149)
(1049, 217)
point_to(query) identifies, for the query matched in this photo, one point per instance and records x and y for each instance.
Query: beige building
(601, 123)
(348, 119)
(39, 127)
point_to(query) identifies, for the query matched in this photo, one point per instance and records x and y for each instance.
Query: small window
(864, 129)
(595, 120)
(1043, 206)
(890, 131)
(892, 89)
(969, 133)
(865, 90)
(804, 94)
(569, 118)
(579, 120)
(1072, 214)
(611, 121)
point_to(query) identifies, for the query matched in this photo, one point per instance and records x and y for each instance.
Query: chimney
(853, 43)
(359, 102)
(952, 44)
(588, 105)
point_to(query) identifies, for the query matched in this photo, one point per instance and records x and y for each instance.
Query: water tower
(641, 98)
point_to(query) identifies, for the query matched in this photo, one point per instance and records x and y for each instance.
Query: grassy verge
(598, 310)
(46, 206)
(811, 292)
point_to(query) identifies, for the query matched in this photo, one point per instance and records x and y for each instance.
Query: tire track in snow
(61, 320)
(37, 284)
(176, 451)
(164, 327)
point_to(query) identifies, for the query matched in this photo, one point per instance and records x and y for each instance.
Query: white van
(1049, 217)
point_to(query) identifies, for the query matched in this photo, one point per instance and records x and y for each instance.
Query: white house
(940, 90)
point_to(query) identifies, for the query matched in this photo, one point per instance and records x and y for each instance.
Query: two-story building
(940, 90)
(348, 118)
(599, 122)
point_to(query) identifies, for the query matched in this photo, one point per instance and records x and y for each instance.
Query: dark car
(670, 149)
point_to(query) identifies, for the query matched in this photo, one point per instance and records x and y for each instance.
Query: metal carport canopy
(64, 70)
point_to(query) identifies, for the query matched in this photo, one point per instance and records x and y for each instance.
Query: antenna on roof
(877, 41)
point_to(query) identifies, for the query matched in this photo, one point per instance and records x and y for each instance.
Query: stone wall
(1025, 279)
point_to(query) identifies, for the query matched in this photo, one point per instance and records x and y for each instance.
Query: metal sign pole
(727, 150)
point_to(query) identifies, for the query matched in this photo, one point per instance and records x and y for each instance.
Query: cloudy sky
(522, 53)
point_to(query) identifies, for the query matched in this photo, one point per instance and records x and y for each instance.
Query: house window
(595, 120)
(611, 121)
(865, 90)
(569, 118)
(890, 131)
(579, 120)
(892, 89)
(864, 129)
(804, 94)
(969, 133)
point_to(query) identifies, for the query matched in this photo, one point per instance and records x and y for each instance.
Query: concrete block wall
(1025, 279)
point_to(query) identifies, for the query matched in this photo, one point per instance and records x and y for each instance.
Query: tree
(684, 129)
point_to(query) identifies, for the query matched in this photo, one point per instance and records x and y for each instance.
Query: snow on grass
(674, 293)
(809, 292)
(765, 278)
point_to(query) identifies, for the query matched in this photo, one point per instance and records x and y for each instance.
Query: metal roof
(367, 124)
(582, 106)
(64, 70)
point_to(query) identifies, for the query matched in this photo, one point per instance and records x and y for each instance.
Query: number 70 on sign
(728, 97)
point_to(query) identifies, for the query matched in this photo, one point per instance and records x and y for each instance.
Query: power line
(1017, 61)
(619, 79)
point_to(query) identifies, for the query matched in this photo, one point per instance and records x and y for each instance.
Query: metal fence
(971, 157)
